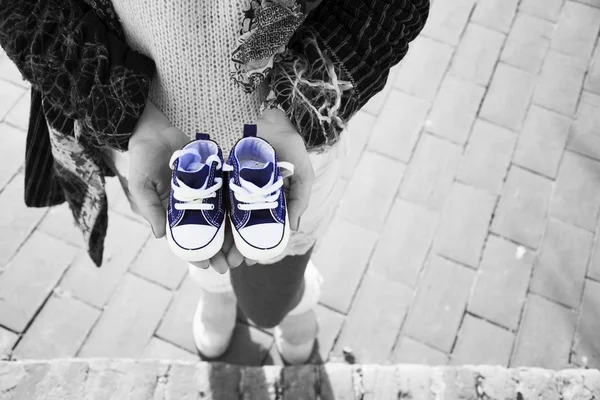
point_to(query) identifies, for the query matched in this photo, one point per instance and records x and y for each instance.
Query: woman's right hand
(153, 142)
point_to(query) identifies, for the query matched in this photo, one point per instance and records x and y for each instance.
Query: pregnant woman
(118, 86)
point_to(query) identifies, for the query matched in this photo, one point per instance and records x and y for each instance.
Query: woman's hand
(275, 127)
(150, 148)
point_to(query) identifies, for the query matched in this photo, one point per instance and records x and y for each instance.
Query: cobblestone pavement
(480, 162)
(160, 380)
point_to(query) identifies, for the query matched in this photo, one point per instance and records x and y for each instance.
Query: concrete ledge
(99, 379)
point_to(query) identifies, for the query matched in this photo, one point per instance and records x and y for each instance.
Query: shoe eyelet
(239, 206)
(212, 206)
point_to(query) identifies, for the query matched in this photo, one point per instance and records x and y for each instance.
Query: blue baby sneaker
(257, 211)
(196, 213)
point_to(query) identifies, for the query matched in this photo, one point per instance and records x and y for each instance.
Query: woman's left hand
(274, 127)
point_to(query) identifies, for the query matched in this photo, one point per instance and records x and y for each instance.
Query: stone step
(155, 379)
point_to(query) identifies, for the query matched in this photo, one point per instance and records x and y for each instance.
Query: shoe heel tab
(202, 136)
(249, 130)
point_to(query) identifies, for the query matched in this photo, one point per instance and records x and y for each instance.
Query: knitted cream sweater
(191, 42)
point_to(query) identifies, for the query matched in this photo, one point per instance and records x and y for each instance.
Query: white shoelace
(193, 198)
(259, 198)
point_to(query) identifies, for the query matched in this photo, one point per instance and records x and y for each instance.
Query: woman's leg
(282, 295)
(214, 319)
(267, 293)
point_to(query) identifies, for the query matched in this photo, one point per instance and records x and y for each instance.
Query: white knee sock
(312, 290)
(210, 280)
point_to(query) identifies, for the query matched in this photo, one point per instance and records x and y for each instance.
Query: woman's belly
(191, 43)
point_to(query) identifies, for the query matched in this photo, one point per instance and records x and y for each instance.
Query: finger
(228, 242)
(234, 258)
(201, 264)
(150, 206)
(299, 196)
(219, 263)
(250, 262)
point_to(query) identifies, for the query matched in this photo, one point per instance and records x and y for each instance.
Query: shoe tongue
(190, 169)
(260, 176)
(195, 180)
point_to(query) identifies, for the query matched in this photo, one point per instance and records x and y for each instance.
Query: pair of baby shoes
(248, 189)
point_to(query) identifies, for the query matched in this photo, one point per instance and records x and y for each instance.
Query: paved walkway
(479, 165)
(160, 380)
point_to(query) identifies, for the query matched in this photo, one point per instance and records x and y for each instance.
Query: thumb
(150, 206)
(298, 198)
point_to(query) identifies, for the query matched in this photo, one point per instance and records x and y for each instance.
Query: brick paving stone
(477, 54)
(593, 3)
(330, 325)
(545, 325)
(379, 382)
(11, 153)
(19, 115)
(338, 193)
(562, 263)
(257, 383)
(176, 325)
(161, 349)
(495, 14)
(17, 220)
(592, 83)
(528, 43)
(594, 268)
(397, 129)
(473, 343)
(404, 243)
(249, 346)
(502, 283)
(58, 330)
(587, 341)
(508, 97)
(487, 157)
(94, 285)
(129, 320)
(299, 382)
(560, 82)
(7, 341)
(447, 21)
(376, 103)
(59, 223)
(464, 223)
(522, 210)
(409, 351)
(585, 137)
(11, 94)
(336, 382)
(342, 262)
(454, 109)
(377, 179)
(431, 172)
(577, 30)
(358, 133)
(547, 9)
(371, 335)
(576, 198)
(10, 72)
(542, 141)
(118, 201)
(423, 69)
(28, 279)
(435, 315)
(157, 263)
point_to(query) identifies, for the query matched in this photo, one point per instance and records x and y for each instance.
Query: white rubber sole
(202, 254)
(252, 253)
